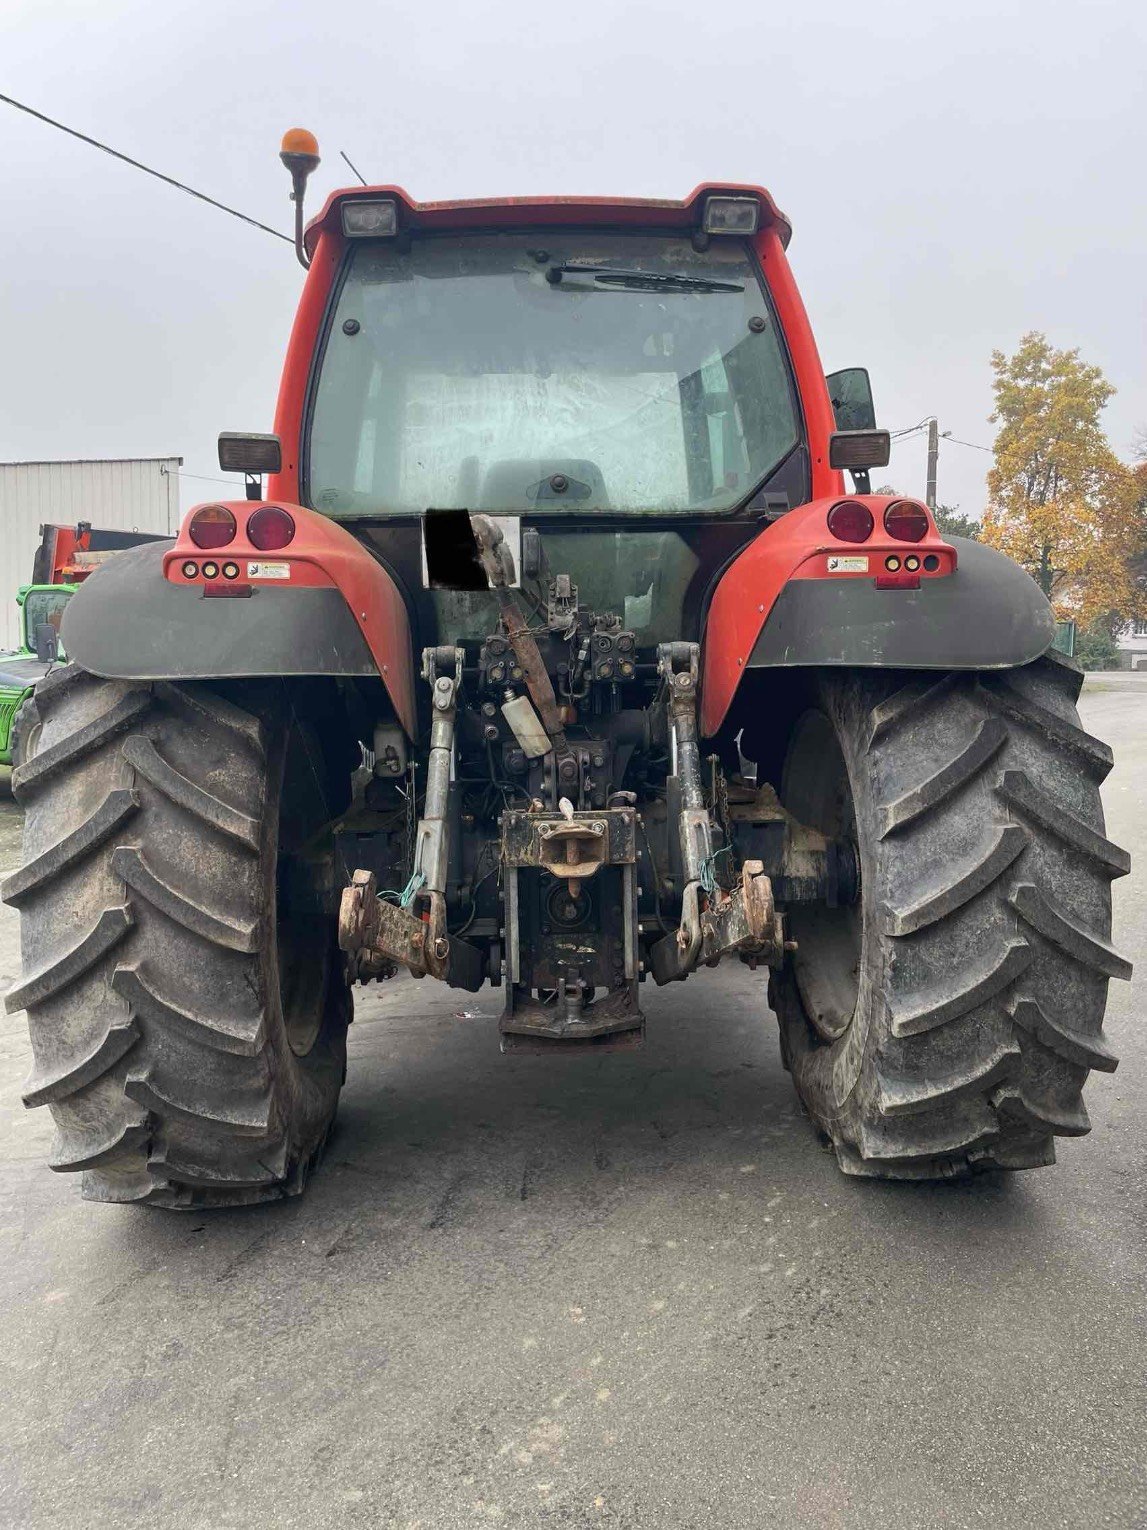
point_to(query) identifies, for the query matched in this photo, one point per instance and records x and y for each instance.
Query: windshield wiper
(640, 281)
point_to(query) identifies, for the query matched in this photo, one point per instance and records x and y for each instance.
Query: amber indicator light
(212, 526)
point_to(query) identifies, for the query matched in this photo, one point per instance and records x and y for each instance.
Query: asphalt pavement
(626, 1290)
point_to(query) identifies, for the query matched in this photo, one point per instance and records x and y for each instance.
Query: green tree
(950, 523)
(1095, 648)
(1060, 501)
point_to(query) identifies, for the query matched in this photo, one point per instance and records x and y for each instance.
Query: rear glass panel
(480, 372)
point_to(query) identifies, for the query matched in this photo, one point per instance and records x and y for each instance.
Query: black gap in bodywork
(452, 559)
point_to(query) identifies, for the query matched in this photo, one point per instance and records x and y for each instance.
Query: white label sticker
(268, 571)
(848, 565)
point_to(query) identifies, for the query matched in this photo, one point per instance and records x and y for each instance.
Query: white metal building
(128, 494)
(1132, 645)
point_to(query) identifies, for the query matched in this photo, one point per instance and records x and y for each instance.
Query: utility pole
(933, 457)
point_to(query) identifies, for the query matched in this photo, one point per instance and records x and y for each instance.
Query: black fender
(127, 622)
(988, 614)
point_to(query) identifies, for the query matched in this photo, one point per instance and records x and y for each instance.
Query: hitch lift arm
(378, 934)
(711, 925)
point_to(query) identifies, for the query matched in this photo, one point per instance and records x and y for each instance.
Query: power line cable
(353, 166)
(899, 435)
(147, 170)
(230, 482)
(909, 429)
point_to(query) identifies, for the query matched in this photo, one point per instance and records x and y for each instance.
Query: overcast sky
(955, 174)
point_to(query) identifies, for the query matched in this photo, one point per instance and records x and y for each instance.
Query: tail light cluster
(214, 526)
(904, 520)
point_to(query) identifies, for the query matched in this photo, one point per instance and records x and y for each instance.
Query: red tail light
(270, 528)
(850, 521)
(906, 521)
(213, 526)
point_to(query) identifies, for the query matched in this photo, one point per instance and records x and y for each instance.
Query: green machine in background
(42, 606)
(67, 555)
(1064, 640)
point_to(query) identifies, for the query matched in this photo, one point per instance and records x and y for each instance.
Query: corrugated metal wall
(135, 494)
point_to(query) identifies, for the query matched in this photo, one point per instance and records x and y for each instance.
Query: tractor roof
(582, 212)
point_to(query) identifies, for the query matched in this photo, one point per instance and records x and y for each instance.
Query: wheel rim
(826, 965)
(304, 895)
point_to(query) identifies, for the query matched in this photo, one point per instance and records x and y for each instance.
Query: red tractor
(550, 650)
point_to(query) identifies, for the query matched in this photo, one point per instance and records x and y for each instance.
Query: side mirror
(47, 643)
(851, 395)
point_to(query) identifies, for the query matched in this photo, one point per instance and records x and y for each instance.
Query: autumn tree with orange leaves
(1060, 502)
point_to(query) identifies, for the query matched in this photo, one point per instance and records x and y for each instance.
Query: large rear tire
(185, 996)
(948, 1022)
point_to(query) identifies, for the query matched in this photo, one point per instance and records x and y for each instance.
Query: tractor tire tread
(153, 1041)
(989, 880)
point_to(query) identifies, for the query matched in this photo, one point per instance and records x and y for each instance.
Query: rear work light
(731, 215)
(906, 521)
(213, 526)
(270, 528)
(850, 521)
(244, 452)
(861, 449)
(370, 220)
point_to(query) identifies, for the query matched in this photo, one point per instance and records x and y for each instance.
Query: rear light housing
(731, 215)
(212, 526)
(244, 452)
(859, 449)
(370, 220)
(850, 521)
(906, 521)
(270, 528)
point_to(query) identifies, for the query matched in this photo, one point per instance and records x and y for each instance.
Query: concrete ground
(627, 1290)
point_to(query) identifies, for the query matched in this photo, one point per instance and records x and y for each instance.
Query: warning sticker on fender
(848, 565)
(268, 571)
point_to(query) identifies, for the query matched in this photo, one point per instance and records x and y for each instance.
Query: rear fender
(320, 606)
(796, 596)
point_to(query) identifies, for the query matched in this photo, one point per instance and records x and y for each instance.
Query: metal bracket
(712, 925)
(746, 921)
(679, 665)
(377, 932)
(612, 1022)
(446, 662)
(561, 604)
